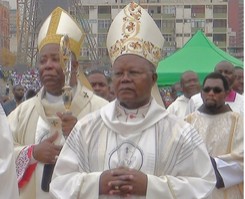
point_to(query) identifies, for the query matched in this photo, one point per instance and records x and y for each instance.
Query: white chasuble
(169, 151)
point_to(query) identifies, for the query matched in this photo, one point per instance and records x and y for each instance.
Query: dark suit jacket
(9, 106)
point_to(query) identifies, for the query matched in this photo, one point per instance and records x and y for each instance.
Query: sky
(12, 3)
(46, 6)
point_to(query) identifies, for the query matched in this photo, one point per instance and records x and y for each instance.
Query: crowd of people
(110, 137)
(28, 79)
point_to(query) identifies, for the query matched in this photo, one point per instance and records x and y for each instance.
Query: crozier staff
(39, 123)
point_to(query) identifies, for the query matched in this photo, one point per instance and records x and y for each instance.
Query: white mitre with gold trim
(58, 24)
(133, 31)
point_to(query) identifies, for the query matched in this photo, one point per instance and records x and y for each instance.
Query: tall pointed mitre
(133, 31)
(58, 24)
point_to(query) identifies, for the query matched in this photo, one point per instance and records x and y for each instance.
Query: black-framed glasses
(216, 90)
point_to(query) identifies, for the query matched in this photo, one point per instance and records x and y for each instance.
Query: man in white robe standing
(132, 147)
(41, 124)
(234, 99)
(190, 86)
(222, 131)
(8, 177)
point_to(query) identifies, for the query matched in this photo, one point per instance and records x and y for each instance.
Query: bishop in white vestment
(148, 139)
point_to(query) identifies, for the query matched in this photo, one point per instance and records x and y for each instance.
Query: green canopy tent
(199, 54)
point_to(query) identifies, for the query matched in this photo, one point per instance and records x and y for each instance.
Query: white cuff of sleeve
(231, 172)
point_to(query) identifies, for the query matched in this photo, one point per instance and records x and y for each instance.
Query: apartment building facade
(4, 30)
(4, 25)
(178, 21)
(13, 30)
(236, 28)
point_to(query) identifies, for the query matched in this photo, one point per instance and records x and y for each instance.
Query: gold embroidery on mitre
(130, 43)
(54, 23)
(53, 37)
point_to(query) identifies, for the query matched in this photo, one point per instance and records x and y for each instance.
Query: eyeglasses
(216, 90)
(130, 74)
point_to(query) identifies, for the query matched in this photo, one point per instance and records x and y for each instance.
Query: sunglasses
(214, 89)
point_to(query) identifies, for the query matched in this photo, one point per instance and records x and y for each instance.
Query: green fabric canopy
(199, 54)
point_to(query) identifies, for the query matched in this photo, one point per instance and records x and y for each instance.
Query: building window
(198, 23)
(169, 38)
(169, 10)
(198, 9)
(102, 52)
(179, 20)
(168, 24)
(187, 35)
(220, 23)
(104, 10)
(102, 39)
(219, 38)
(85, 52)
(104, 24)
(154, 9)
(187, 20)
(85, 9)
(220, 9)
(158, 9)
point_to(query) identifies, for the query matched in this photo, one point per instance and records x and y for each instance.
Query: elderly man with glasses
(132, 148)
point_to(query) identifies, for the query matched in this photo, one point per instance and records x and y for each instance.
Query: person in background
(238, 84)
(131, 147)
(111, 92)
(7, 89)
(99, 83)
(112, 95)
(222, 131)
(3, 99)
(8, 178)
(190, 86)
(234, 99)
(166, 95)
(176, 91)
(18, 93)
(30, 93)
(41, 124)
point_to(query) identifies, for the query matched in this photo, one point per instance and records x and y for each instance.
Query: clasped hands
(123, 181)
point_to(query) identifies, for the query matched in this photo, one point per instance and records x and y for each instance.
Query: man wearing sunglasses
(222, 132)
(234, 99)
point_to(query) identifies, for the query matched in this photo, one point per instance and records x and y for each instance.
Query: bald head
(227, 70)
(189, 83)
(224, 64)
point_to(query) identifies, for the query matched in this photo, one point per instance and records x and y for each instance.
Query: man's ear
(154, 77)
